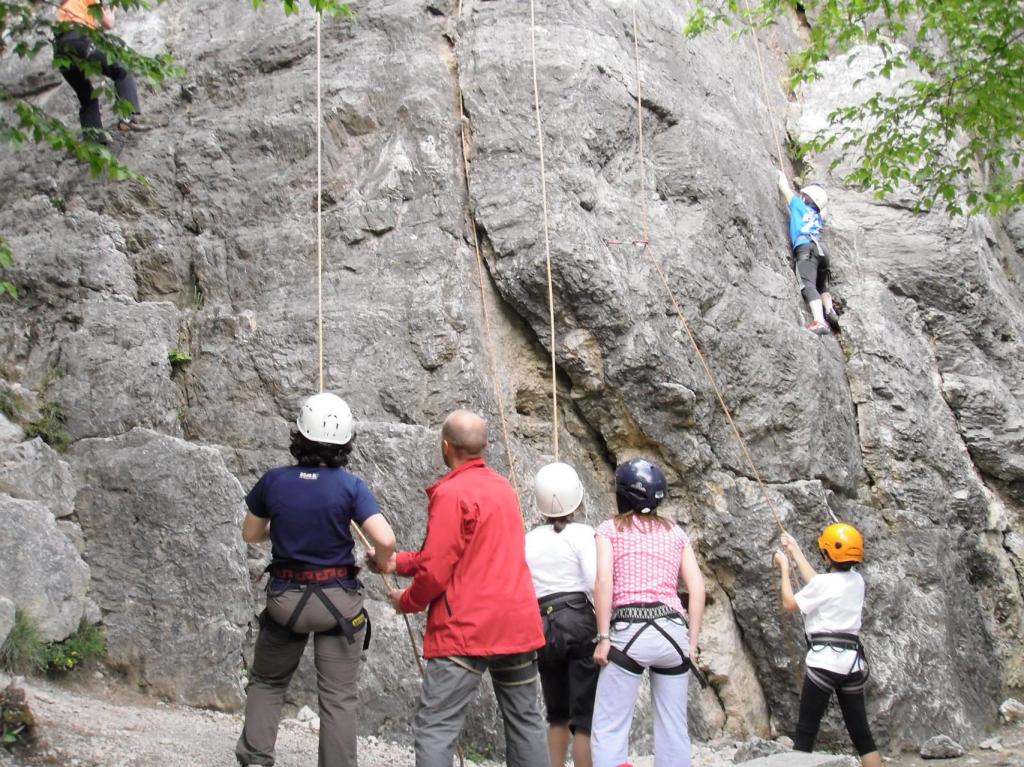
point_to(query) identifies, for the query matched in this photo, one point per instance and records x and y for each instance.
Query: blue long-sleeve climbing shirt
(805, 222)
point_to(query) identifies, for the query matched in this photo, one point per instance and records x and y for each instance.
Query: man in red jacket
(472, 574)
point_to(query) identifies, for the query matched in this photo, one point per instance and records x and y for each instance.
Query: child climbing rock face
(832, 604)
(806, 222)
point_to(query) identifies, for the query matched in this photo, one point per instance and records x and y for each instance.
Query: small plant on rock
(50, 427)
(16, 720)
(24, 650)
(178, 358)
(88, 642)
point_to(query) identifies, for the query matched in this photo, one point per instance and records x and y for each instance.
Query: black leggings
(812, 265)
(849, 689)
(78, 44)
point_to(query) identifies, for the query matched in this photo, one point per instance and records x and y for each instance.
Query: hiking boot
(135, 124)
(833, 321)
(818, 328)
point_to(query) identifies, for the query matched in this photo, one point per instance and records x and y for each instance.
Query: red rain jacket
(472, 569)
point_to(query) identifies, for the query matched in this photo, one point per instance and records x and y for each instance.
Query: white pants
(617, 690)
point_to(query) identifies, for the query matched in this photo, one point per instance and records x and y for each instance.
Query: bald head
(466, 434)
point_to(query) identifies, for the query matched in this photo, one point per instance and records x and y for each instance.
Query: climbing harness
(311, 579)
(838, 641)
(649, 615)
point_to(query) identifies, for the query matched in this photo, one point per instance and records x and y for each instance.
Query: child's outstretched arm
(785, 188)
(785, 586)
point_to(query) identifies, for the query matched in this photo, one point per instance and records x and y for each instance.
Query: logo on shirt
(309, 475)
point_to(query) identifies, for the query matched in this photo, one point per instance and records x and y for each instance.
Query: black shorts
(568, 674)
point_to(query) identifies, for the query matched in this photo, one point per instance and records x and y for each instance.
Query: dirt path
(104, 724)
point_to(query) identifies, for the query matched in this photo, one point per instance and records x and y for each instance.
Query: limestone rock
(42, 573)
(757, 748)
(34, 471)
(908, 425)
(119, 348)
(10, 432)
(1011, 710)
(7, 610)
(941, 747)
(176, 617)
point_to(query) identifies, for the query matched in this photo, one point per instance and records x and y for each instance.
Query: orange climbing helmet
(842, 543)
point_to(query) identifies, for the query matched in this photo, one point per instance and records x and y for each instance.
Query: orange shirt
(77, 12)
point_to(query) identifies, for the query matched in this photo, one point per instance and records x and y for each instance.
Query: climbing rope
(547, 238)
(645, 244)
(320, 312)
(488, 336)
(319, 215)
(764, 86)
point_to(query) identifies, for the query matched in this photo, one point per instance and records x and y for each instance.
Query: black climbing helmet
(639, 486)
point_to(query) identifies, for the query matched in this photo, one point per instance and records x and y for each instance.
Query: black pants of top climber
(812, 268)
(75, 43)
(568, 674)
(849, 689)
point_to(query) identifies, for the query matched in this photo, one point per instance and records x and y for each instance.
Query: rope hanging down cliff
(320, 310)
(645, 244)
(547, 237)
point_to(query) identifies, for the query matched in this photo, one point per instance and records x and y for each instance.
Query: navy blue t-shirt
(309, 511)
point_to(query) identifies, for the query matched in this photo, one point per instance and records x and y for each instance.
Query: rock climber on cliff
(806, 222)
(305, 511)
(831, 603)
(471, 574)
(78, 21)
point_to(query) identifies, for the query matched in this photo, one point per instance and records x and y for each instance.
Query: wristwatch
(601, 637)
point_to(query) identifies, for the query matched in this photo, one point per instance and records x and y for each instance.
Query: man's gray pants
(449, 686)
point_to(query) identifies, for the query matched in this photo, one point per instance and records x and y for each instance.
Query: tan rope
(319, 215)
(488, 336)
(389, 585)
(640, 129)
(547, 238)
(679, 312)
(764, 86)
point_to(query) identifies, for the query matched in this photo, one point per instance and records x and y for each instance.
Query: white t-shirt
(833, 602)
(562, 562)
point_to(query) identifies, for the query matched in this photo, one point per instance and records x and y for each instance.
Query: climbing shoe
(818, 328)
(833, 322)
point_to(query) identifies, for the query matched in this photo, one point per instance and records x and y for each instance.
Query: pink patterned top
(645, 563)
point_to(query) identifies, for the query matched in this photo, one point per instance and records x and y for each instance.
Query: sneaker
(135, 124)
(833, 321)
(818, 328)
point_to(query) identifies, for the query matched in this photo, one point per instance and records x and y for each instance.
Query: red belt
(314, 575)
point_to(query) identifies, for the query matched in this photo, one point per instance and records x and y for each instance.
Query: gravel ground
(104, 724)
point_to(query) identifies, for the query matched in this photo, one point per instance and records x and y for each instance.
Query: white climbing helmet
(325, 417)
(818, 196)
(558, 490)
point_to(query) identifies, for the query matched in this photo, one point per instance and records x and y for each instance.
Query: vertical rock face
(908, 426)
(161, 519)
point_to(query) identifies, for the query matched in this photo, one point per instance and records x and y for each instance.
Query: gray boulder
(941, 747)
(42, 573)
(7, 610)
(34, 471)
(161, 521)
(10, 432)
(758, 748)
